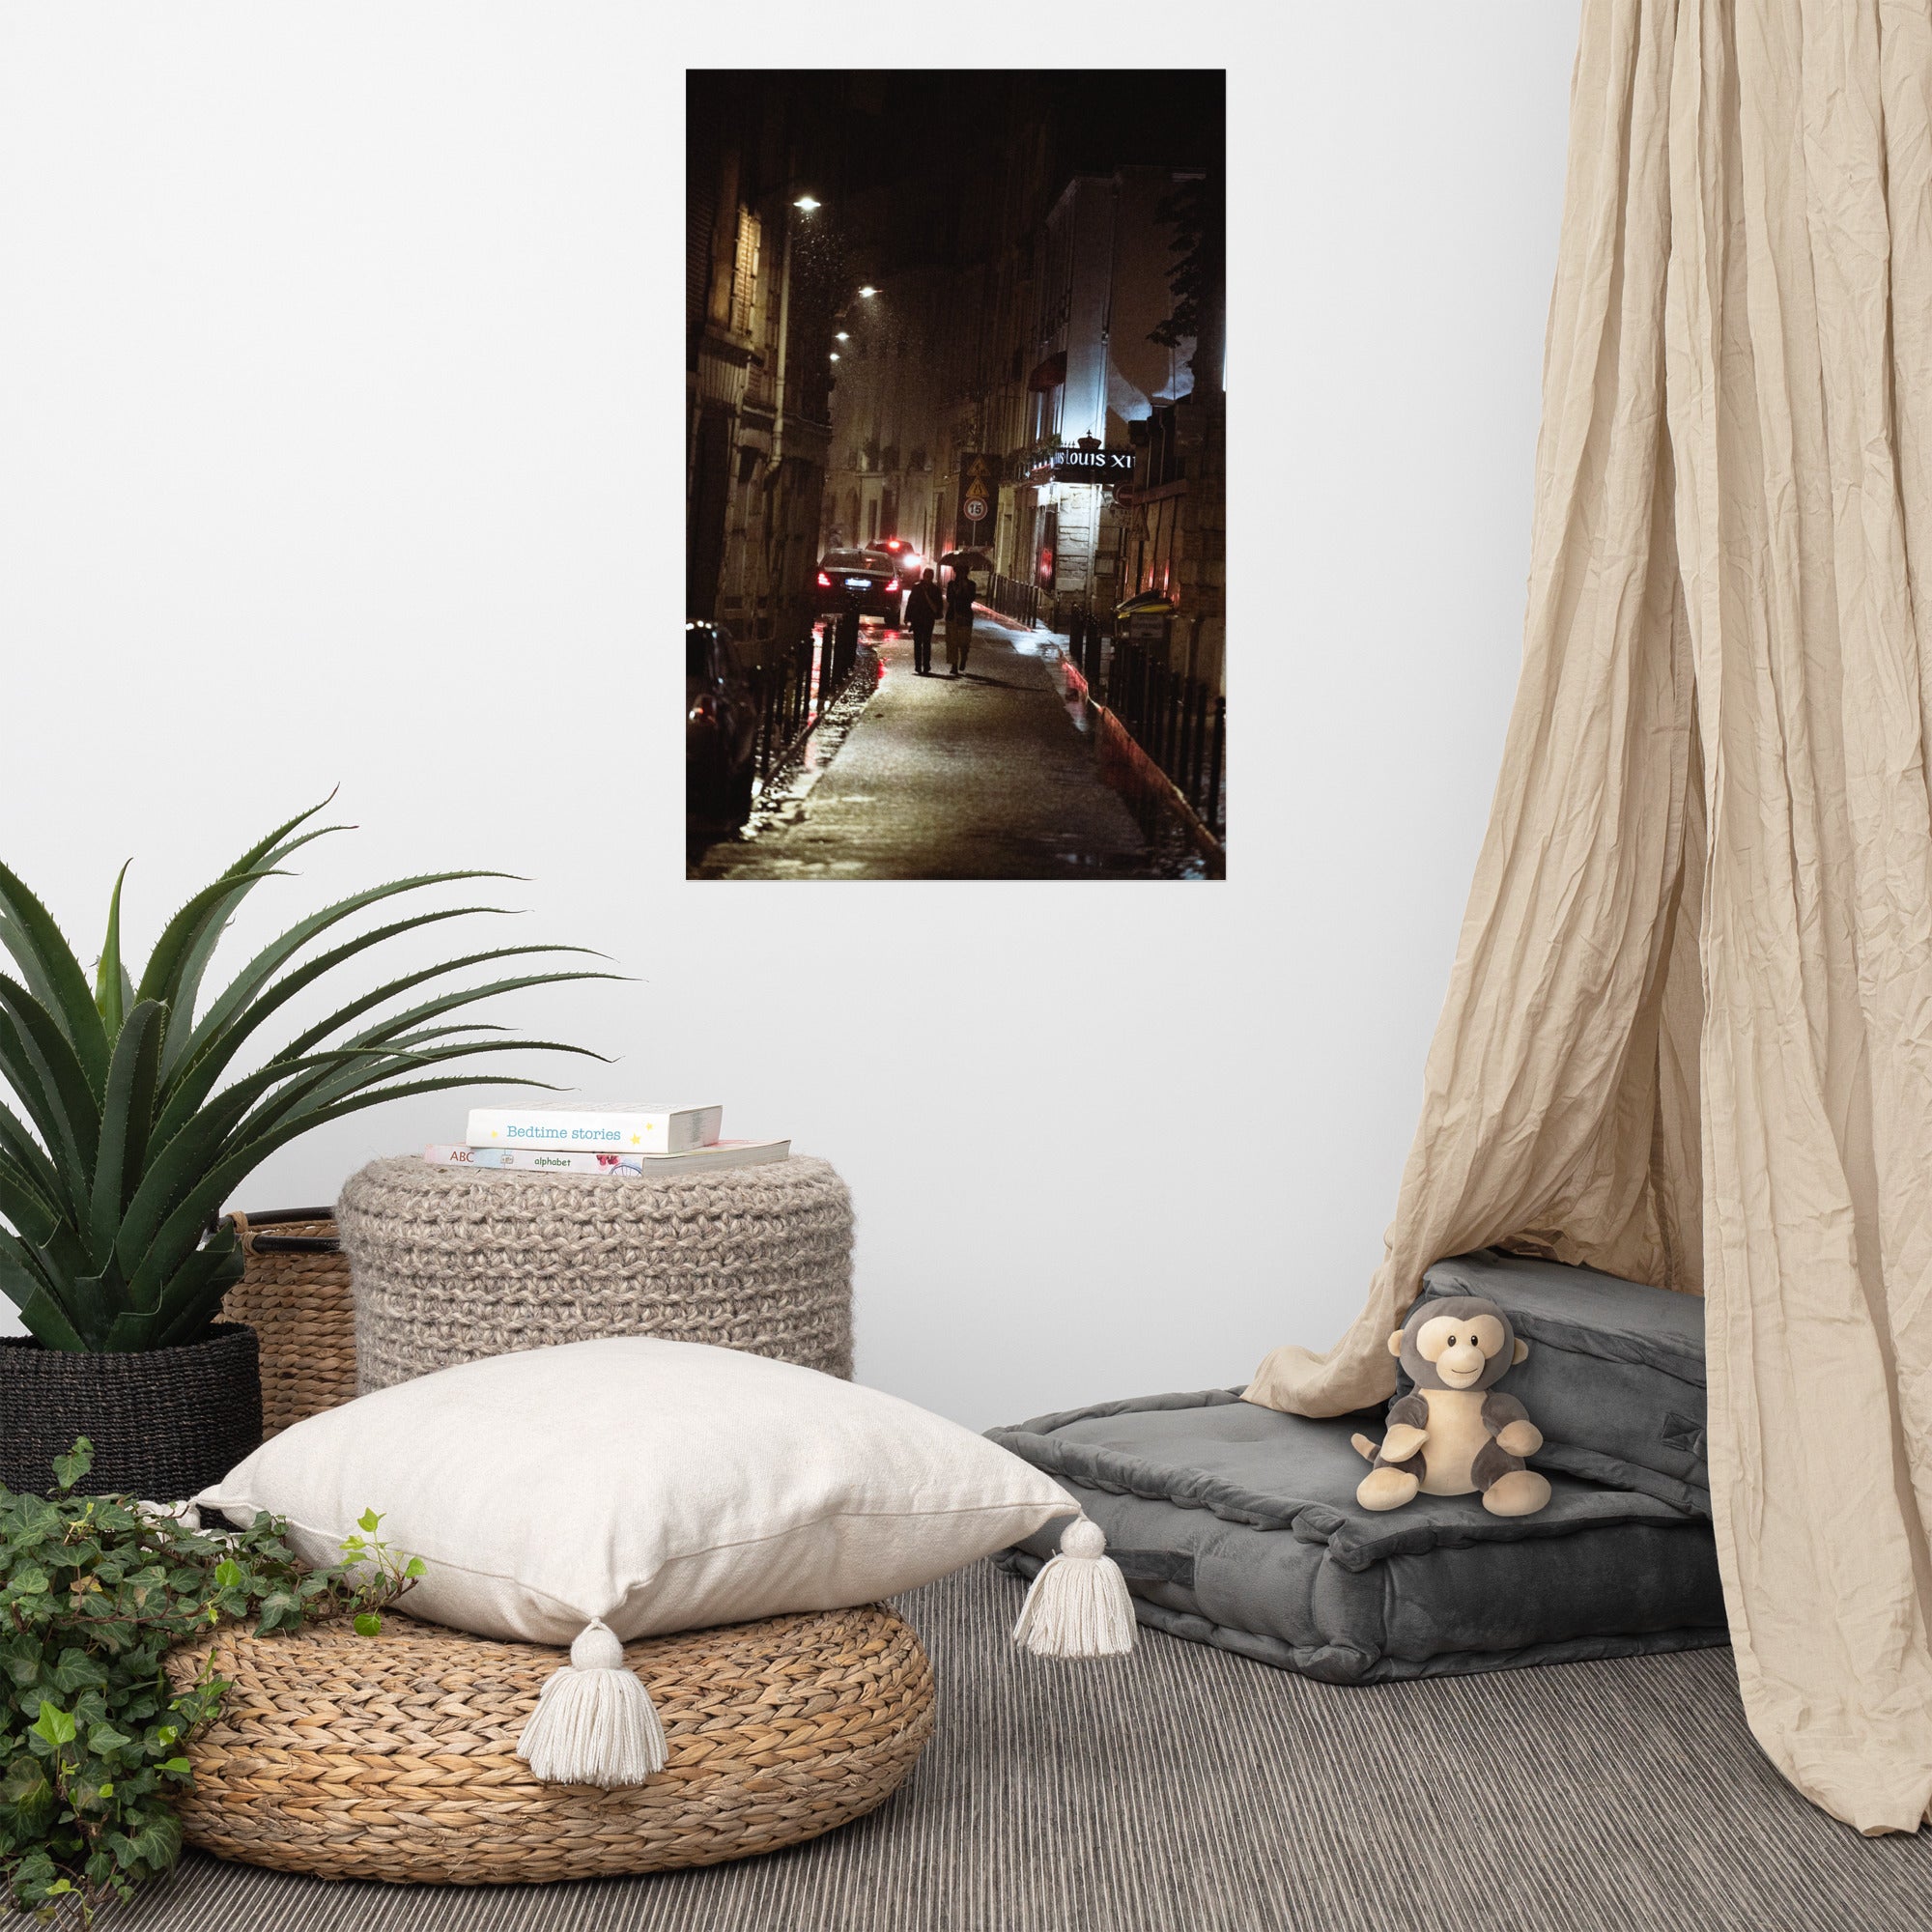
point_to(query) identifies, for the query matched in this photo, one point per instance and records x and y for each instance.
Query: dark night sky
(924, 136)
(1100, 120)
(927, 146)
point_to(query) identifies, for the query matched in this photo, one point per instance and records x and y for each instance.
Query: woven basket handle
(255, 1242)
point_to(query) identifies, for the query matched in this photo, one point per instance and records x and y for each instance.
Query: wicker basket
(296, 1296)
(395, 1756)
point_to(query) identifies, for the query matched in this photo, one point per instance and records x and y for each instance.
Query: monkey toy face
(1457, 1342)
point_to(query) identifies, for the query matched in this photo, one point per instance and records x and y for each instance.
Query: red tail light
(824, 582)
(891, 583)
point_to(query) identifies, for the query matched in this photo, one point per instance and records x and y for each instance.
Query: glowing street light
(868, 289)
(805, 202)
(841, 336)
(834, 355)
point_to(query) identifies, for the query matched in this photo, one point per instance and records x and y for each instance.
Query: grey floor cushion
(1238, 1525)
(1616, 1374)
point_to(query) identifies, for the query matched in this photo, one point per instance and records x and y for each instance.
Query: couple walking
(925, 607)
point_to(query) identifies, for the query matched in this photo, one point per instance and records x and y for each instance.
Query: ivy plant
(94, 1591)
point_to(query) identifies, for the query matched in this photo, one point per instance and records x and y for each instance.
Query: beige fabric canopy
(1689, 1032)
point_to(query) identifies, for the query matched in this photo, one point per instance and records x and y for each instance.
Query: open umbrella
(967, 559)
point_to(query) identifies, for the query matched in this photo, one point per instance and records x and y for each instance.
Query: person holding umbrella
(959, 608)
(923, 608)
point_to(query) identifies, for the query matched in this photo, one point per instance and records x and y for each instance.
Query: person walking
(959, 619)
(924, 605)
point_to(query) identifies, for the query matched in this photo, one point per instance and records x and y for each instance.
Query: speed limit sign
(976, 509)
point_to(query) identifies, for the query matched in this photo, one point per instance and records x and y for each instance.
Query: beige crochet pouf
(395, 1756)
(453, 1264)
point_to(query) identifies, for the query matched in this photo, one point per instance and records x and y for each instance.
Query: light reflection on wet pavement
(989, 776)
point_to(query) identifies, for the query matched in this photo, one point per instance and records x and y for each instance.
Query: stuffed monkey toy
(1456, 1433)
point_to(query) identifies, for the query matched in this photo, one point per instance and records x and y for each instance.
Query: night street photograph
(956, 505)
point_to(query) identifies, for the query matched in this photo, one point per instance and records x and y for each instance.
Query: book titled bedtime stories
(624, 1129)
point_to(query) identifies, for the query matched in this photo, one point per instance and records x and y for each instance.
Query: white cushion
(655, 1485)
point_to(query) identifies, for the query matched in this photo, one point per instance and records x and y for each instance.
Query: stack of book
(601, 1140)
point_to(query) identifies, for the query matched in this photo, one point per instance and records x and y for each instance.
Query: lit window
(745, 272)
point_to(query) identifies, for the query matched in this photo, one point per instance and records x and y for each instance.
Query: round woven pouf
(453, 1264)
(395, 1756)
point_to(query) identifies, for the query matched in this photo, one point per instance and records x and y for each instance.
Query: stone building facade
(757, 389)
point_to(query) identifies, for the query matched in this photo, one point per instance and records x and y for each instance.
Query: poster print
(957, 426)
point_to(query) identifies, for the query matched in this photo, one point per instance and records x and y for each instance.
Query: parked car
(721, 726)
(860, 579)
(903, 557)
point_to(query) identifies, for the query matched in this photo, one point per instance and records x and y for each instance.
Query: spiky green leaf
(265, 854)
(40, 1064)
(127, 1113)
(273, 957)
(214, 1045)
(48, 965)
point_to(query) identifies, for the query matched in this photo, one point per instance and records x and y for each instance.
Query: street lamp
(806, 204)
(841, 336)
(834, 355)
(868, 289)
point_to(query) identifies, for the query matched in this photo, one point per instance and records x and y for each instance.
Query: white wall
(339, 367)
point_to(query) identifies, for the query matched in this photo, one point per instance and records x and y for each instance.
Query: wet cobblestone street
(989, 776)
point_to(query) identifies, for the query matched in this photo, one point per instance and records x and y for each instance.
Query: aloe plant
(123, 1142)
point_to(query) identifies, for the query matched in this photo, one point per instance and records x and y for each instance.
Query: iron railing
(1179, 722)
(1011, 598)
(797, 687)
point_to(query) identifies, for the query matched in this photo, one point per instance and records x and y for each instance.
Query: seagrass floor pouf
(395, 1756)
(453, 1264)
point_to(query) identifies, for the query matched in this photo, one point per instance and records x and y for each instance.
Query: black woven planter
(165, 1423)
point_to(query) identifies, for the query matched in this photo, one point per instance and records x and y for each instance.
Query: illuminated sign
(1082, 466)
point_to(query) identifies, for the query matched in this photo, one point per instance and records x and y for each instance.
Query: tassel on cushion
(594, 1722)
(1079, 1604)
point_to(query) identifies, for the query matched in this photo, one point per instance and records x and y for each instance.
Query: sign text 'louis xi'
(1085, 466)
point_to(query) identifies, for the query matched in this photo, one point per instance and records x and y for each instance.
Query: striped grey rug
(1184, 1790)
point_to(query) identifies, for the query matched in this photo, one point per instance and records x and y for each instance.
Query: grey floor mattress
(1615, 1374)
(1237, 1525)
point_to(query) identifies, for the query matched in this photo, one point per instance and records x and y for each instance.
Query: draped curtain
(1688, 1030)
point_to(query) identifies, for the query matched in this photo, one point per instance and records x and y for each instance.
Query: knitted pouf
(395, 1756)
(454, 1263)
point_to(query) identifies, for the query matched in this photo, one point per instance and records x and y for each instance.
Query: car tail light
(824, 582)
(891, 583)
(706, 708)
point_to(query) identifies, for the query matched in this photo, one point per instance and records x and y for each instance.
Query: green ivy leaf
(176, 1766)
(227, 1573)
(70, 1468)
(53, 1725)
(368, 1522)
(416, 1566)
(368, 1623)
(75, 1670)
